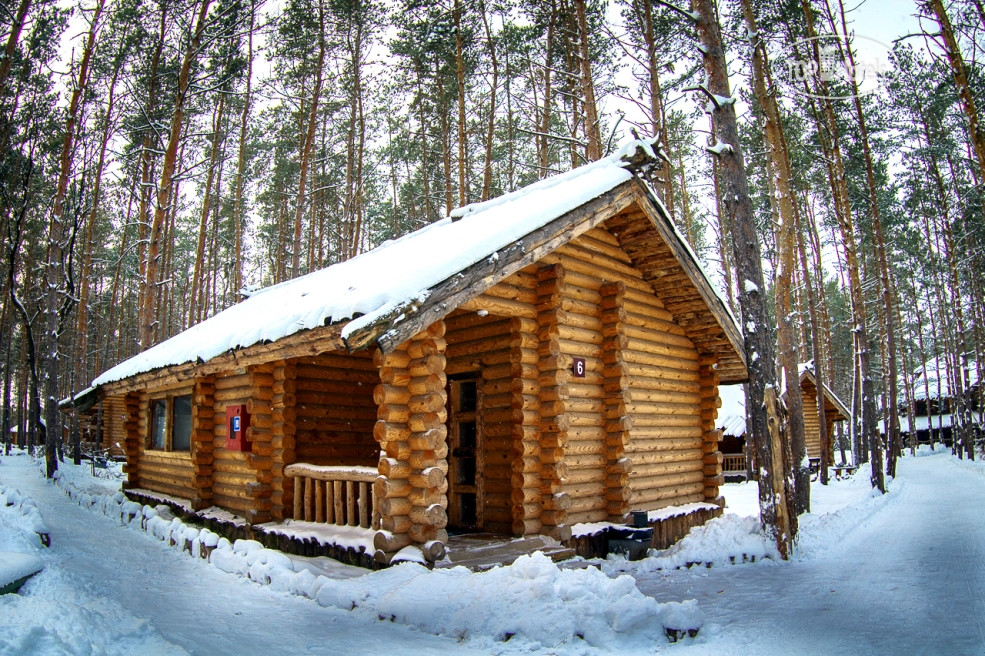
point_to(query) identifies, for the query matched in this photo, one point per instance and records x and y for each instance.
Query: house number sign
(578, 367)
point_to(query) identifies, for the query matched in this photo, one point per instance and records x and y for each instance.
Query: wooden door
(464, 455)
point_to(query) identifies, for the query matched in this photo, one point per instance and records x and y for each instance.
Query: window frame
(168, 397)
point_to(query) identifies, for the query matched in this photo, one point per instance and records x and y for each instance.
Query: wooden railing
(734, 462)
(334, 495)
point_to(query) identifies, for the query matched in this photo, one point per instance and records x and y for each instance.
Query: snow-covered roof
(382, 287)
(938, 385)
(732, 414)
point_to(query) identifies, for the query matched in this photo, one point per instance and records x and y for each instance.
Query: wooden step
(480, 552)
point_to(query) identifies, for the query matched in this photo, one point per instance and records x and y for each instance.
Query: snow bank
(725, 540)
(531, 602)
(532, 599)
(30, 516)
(51, 614)
(14, 566)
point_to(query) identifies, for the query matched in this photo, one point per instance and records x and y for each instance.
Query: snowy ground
(901, 573)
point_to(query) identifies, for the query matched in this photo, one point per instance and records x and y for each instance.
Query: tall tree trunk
(57, 296)
(16, 27)
(238, 210)
(658, 117)
(82, 319)
(828, 131)
(786, 204)
(817, 353)
(892, 375)
(460, 79)
(164, 191)
(198, 272)
(307, 144)
(487, 168)
(593, 137)
(959, 73)
(775, 511)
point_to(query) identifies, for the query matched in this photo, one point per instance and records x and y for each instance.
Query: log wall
(711, 456)
(260, 436)
(168, 472)
(646, 370)
(114, 419)
(812, 427)
(283, 436)
(231, 473)
(335, 410)
(203, 441)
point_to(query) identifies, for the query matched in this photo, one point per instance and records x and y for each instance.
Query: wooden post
(282, 437)
(617, 465)
(553, 418)
(259, 435)
(203, 440)
(710, 435)
(131, 443)
(412, 433)
(525, 496)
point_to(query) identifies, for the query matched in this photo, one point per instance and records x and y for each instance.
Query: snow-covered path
(906, 576)
(126, 577)
(900, 574)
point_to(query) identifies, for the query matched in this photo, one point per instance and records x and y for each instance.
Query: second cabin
(525, 367)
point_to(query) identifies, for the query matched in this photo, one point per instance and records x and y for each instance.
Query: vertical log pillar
(203, 440)
(525, 496)
(131, 440)
(260, 457)
(413, 485)
(282, 437)
(617, 420)
(555, 372)
(710, 436)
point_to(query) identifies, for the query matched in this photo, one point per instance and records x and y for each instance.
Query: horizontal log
(432, 364)
(433, 515)
(476, 330)
(316, 367)
(385, 431)
(389, 543)
(397, 358)
(640, 483)
(385, 488)
(397, 450)
(395, 507)
(674, 494)
(503, 307)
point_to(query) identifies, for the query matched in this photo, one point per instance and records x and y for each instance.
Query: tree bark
(786, 204)
(777, 520)
(238, 212)
(164, 191)
(57, 297)
(593, 137)
(307, 144)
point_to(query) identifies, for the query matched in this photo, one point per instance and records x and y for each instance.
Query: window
(171, 423)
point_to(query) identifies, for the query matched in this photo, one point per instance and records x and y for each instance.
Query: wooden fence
(334, 495)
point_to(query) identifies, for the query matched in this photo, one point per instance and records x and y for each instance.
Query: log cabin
(529, 364)
(732, 424)
(935, 405)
